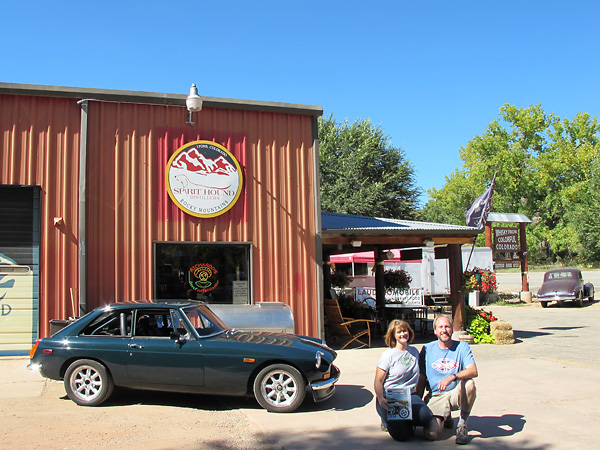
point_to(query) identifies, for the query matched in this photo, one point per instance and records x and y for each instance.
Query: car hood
(277, 342)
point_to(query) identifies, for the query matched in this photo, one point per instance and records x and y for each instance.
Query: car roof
(563, 270)
(159, 304)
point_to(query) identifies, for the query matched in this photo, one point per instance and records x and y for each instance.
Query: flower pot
(474, 299)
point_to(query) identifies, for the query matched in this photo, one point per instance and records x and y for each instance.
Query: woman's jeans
(401, 430)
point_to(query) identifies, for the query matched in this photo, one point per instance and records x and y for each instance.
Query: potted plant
(480, 280)
(396, 279)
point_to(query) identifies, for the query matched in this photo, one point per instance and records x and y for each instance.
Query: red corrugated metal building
(89, 215)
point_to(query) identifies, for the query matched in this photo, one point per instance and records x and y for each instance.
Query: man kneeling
(449, 368)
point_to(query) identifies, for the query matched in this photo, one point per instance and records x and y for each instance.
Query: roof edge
(155, 98)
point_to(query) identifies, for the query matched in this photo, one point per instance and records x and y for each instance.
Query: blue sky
(432, 74)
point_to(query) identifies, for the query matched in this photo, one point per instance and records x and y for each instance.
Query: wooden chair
(341, 326)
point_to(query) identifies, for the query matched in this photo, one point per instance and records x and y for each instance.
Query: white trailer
(432, 275)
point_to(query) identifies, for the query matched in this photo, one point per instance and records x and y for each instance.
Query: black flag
(479, 210)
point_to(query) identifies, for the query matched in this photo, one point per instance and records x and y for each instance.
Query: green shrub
(478, 324)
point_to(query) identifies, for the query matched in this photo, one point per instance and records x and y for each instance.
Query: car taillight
(34, 348)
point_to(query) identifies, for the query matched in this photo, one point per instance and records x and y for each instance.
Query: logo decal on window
(205, 278)
(204, 179)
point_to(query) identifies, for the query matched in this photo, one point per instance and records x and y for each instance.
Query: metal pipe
(81, 262)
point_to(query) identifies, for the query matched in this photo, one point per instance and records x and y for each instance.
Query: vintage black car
(562, 285)
(182, 347)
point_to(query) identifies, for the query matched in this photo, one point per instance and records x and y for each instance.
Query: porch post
(457, 297)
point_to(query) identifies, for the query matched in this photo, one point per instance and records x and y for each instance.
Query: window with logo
(211, 272)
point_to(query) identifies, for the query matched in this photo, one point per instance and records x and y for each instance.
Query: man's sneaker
(448, 422)
(462, 435)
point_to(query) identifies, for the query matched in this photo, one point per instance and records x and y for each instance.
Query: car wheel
(88, 382)
(544, 304)
(579, 301)
(279, 388)
(561, 303)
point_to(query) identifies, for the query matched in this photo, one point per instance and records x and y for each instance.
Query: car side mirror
(176, 336)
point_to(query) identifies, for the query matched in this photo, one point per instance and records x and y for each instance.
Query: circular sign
(204, 179)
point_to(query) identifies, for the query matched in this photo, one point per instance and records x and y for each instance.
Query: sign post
(510, 241)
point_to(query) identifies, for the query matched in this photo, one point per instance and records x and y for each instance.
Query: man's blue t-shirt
(437, 363)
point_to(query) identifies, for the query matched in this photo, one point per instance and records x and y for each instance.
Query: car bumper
(324, 389)
(556, 298)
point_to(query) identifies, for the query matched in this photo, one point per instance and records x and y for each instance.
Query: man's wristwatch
(455, 377)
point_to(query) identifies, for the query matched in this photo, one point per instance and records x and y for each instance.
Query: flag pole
(485, 210)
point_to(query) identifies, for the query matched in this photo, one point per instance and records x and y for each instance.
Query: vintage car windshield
(203, 320)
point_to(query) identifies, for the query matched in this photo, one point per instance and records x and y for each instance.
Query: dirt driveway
(540, 393)
(47, 419)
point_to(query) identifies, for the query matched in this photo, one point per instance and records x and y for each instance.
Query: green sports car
(182, 347)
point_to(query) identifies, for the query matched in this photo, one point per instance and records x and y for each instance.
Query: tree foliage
(546, 169)
(362, 174)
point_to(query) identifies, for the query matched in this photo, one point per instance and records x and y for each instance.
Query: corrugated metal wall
(128, 207)
(40, 146)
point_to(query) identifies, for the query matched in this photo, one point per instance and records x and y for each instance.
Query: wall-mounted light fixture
(389, 255)
(193, 102)
(58, 221)
(428, 242)
(355, 243)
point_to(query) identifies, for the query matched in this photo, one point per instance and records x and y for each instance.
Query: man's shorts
(443, 404)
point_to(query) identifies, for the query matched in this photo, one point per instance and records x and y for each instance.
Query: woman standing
(398, 367)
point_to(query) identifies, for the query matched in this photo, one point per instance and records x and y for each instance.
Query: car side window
(153, 324)
(109, 323)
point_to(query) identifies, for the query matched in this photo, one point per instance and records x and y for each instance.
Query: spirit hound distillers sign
(204, 179)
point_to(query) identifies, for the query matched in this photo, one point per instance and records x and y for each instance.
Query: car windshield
(204, 320)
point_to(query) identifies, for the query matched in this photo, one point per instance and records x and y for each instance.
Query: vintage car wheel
(279, 388)
(544, 304)
(88, 383)
(579, 301)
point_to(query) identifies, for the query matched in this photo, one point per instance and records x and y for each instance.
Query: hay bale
(503, 337)
(500, 325)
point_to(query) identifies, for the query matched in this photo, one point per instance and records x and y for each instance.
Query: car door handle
(136, 346)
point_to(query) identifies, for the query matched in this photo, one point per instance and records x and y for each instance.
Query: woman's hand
(383, 403)
(380, 375)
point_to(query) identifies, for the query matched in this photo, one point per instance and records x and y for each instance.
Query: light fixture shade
(356, 243)
(193, 101)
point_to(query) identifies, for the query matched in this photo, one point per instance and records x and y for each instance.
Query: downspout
(81, 260)
(318, 231)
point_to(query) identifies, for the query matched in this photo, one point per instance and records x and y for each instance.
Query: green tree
(362, 174)
(543, 171)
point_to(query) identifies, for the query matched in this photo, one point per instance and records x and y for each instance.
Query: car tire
(561, 303)
(579, 301)
(88, 383)
(544, 304)
(279, 388)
